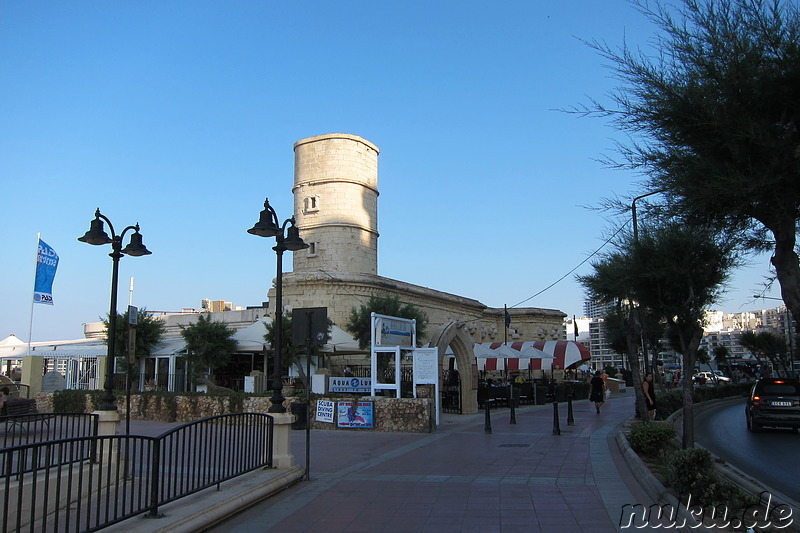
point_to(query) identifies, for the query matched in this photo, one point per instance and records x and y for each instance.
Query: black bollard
(488, 425)
(513, 413)
(556, 426)
(570, 418)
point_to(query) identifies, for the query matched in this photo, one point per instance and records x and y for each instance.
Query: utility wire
(574, 269)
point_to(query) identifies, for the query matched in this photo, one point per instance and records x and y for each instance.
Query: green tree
(721, 354)
(766, 344)
(289, 352)
(704, 358)
(683, 270)
(358, 324)
(610, 284)
(149, 332)
(714, 120)
(674, 271)
(209, 345)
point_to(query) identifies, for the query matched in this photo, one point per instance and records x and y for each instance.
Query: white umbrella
(486, 350)
(529, 351)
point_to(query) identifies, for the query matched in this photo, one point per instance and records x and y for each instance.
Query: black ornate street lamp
(97, 236)
(269, 226)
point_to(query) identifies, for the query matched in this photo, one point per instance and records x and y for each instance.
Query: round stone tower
(336, 204)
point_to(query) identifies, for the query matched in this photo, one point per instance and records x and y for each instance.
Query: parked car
(773, 402)
(709, 377)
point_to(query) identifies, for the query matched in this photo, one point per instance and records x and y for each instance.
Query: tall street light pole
(636, 244)
(97, 236)
(268, 225)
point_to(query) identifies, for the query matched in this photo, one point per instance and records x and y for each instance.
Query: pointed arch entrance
(454, 335)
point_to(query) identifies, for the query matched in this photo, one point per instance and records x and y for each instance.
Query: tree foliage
(209, 344)
(767, 344)
(673, 271)
(721, 354)
(714, 120)
(358, 324)
(290, 352)
(610, 284)
(149, 331)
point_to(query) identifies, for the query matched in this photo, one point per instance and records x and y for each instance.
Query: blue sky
(181, 116)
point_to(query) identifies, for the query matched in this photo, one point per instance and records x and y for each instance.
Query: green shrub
(667, 403)
(649, 439)
(69, 401)
(691, 471)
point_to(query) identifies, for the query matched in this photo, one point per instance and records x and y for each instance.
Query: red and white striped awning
(540, 355)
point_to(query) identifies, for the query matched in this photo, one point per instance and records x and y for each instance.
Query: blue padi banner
(46, 264)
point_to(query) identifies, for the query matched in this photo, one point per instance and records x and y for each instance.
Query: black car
(774, 402)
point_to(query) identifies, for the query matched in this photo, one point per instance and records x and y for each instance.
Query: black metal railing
(39, 427)
(84, 484)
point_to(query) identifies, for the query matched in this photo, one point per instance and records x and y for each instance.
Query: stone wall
(399, 415)
(405, 415)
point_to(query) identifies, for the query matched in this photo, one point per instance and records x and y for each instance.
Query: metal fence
(80, 373)
(451, 392)
(84, 484)
(39, 427)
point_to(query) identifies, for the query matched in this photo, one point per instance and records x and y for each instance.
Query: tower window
(311, 204)
(312, 249)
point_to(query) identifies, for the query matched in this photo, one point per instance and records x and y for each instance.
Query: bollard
(556, 426)
(513, 414)
(488, 425)
(570, 418)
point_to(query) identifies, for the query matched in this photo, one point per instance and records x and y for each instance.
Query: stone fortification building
(336, 209)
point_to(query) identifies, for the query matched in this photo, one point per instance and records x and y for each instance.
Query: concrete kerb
(208, 507)
(659, 493)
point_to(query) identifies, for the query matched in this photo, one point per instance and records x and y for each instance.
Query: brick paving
(521, 477)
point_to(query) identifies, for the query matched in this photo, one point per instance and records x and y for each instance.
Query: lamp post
(268, 225)
(636, 244)
(97, 236)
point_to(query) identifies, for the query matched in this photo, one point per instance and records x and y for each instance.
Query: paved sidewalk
(518, 478)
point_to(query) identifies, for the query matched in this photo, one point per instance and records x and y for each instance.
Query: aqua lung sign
(349, 384)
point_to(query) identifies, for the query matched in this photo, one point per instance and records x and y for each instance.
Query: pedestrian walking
(597, 393)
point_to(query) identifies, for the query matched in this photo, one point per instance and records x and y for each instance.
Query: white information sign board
(393, 331)
(426, 369)
(325, 411)
(426, 372)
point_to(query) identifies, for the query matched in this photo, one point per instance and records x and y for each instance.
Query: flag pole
(35, 264)
(575, 328)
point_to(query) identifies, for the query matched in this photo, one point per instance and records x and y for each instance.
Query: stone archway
(454, 335)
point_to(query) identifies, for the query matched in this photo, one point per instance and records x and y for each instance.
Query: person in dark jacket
(649, 395)
(597, 393)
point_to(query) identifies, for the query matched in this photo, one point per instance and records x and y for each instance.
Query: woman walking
(597, 393)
